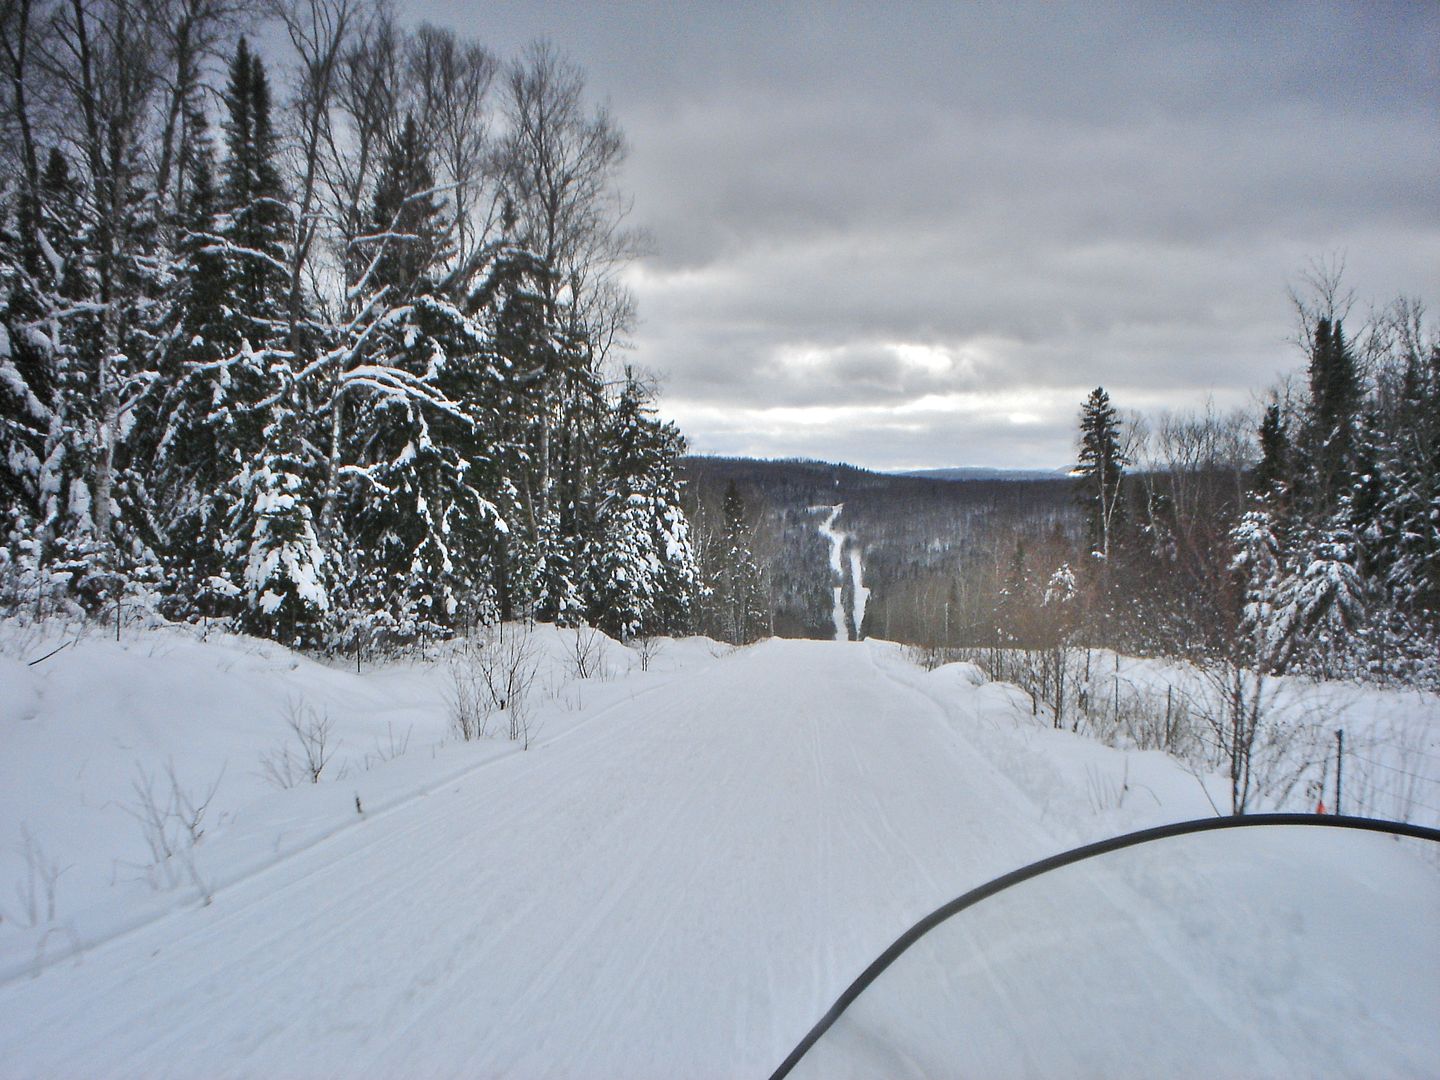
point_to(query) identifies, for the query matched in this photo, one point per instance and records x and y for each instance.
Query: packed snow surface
(694, 857)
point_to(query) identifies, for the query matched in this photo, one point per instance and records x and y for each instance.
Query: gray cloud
(908, 235)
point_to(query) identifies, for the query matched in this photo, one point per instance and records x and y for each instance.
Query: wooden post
(1116, 707)
(1339, 765)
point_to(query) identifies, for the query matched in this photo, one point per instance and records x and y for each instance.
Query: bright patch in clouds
(926, 358)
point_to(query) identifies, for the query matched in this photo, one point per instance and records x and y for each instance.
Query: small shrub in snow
(928, 657)
(1264, 752)
(302, 760)
(470, 703)
(36, 891)
(1106, 791)
(588, 653)
(646, 650)
(495, 678)
(172, 823)
(390, 750)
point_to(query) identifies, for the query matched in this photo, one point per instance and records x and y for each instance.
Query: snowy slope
(677, 878)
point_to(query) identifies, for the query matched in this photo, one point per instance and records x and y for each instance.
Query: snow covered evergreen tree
(1345, 516)
(188, 430)
(31, 287)
(1327, 443)
(286, 577)
(225, 371)
(737, 611)
(1101, 467)
(422, 515)
(1272, 474)
(381, 408)
(643, 579)
(423, 484)
(254, 210)
(1257, 561)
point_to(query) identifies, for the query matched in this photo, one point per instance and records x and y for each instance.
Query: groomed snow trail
(836, 541)
(680, 889)
(861, 594)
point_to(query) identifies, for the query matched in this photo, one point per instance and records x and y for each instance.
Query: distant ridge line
(951, 473)
(984, 472)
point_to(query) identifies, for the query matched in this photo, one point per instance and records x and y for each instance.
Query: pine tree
(225, 374)
(1328, 442)
(1266, 639)
(1013, 602)
(56, 332)
(286, 579)
(190, 430)
(543, 551)
(643, 578)
(1101, 467)
(406, 219)
(738, 612)
(1410, 523)
(29, 290)
(1321, 603)
(509, 306)
(425, 503)
(256, 212)
(1273, 471)
(423, 515)
(271, 557)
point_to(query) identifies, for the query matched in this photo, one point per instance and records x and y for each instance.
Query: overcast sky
(917, 235)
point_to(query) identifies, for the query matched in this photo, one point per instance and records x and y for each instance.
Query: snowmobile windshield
(1204, 949)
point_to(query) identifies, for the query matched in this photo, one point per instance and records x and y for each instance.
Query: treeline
(330, 356)
(1304, 541)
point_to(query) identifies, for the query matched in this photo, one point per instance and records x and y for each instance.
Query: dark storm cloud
(917, 234)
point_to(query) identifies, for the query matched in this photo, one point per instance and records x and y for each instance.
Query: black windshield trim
(1055, 862)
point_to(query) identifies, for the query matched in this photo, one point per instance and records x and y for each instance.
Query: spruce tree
(407, 219)
(1265, 639)
(270, 552)
(55, 344)
(1328, 443)
(642, 568)
(422, 514)
(286, 577)
(1101, 468)
(1014, 601)
(255, 211)
(29, 292)
(738, 612)
(424, 505)
(1273, 470)
(199, 425)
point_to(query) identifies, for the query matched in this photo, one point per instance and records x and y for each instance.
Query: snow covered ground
(694, 857)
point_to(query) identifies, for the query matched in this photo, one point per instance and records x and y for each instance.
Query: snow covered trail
(862, 594)
(838, 569)
(680, 889)
(679, 883)
(836, 541)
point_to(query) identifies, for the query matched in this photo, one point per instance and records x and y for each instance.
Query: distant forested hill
(935, 551)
